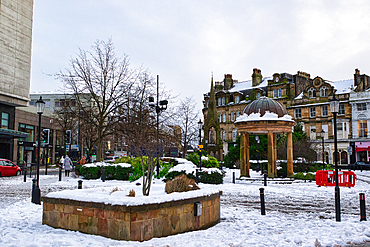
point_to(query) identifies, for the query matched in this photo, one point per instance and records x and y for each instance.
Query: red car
(8, 168)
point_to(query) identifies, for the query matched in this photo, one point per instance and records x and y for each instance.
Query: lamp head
(40, 105)
(334, 104)
(200, 124)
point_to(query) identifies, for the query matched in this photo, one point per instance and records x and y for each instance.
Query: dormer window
(223, 101)
(237, 99)
(324, 91)
(311, 93)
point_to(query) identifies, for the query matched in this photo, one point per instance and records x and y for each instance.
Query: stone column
(243, 165)
(270, 154)
(247, 154)
(290, 155)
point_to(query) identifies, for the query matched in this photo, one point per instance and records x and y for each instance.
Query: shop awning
(7, 133)
(360, 149)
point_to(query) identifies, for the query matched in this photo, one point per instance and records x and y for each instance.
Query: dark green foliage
(232, 156)
(211, 178)
(204, 176)
(282, 170)
(210, 163)
(111, 172)
(164, 169)
(78, 170)
(307, 176)
(90, 172)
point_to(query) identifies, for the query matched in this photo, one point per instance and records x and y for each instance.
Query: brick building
(306, 100)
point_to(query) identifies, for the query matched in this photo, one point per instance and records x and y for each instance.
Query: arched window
(324, 91)
(219, 101)
(311, 93)
(237, 99)
(223, 101)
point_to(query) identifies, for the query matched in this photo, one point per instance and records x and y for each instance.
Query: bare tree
(101, 83)
(187, 120)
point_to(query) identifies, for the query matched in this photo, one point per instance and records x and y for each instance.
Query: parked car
(359, 165)
(8, 168)
(110, 159)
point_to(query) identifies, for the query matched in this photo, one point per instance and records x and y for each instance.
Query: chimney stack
(256, 77)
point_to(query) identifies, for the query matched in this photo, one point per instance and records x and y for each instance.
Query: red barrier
(327, 178)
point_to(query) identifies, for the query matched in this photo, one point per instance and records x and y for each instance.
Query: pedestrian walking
(67, 165)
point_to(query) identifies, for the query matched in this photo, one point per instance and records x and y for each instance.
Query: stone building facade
(15, 66)
(306, 100)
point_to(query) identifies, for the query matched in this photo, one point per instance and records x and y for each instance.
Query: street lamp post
(334, 107)
(36, 195)
(200, 126)
(258, 153)
(159, 107)
(322, 133)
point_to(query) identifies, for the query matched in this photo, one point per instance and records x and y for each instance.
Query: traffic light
(68, 136)
(45, 136)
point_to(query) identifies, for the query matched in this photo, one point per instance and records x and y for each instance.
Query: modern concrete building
(15, 66)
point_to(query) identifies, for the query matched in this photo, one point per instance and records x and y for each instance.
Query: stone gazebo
(265, 116)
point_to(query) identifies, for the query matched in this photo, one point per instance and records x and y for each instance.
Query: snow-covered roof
(300, 96)
(342, 86)
(268, 116)
(245, 85)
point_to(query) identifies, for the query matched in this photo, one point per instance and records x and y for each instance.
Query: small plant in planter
(180, 184)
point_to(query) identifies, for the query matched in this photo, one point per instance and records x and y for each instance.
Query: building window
(33, 102)
(237, 114)
(219, 101)
(258, 95)
(324, 91)
(47, 103)
(312, 111)
(223, 101)
(5, 120)
(224, 117)
(341, 109)
(232, 116)
(361, 107)
(56, 103)
(219, 118)
(237, 99)
(280, 92)
(324, 110)
(362, 128)
(313, 132)
(298, 113)
(223, 135)
(311, 93)
(235, 135)
(275, 93)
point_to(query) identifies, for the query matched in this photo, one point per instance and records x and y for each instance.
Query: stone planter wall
(136, 223)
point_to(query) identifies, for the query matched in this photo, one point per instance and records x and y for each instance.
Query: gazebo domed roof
(264, 104)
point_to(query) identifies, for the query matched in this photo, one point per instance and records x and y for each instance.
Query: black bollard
(196, 176)
(362, 207)
(79, 184)
(264, 178)
(233, 177)
(262, 196)
(60, 172)
(35, 192)
(103, 174)
(24, 173)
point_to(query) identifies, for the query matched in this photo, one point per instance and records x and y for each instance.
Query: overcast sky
(185, 41)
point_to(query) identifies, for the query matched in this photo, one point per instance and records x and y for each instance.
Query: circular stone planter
(133, 222)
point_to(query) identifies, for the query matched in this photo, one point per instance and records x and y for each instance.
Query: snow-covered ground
(297, 214)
